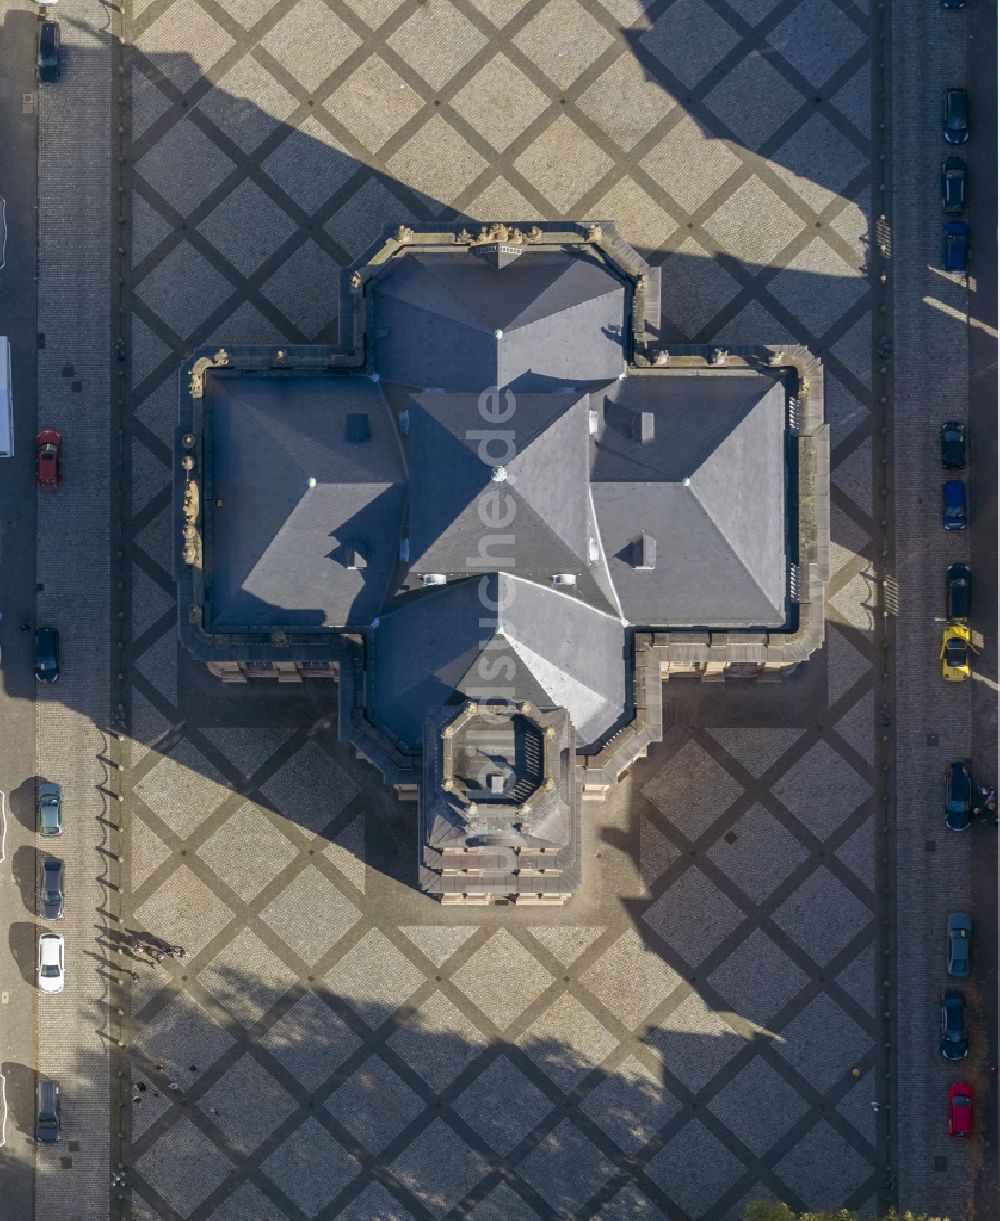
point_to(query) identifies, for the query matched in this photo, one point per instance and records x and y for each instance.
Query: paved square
(406, 1059)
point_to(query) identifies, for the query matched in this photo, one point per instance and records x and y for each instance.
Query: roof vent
(498, 474)
(355, 560)
(644, 552)
(564, 578)
(359, 427)
(497, 254)
(497, 782)
(593, 422)
(593, 550)
(643, 426)
(404, 423)
(404, 550)
(434, 578)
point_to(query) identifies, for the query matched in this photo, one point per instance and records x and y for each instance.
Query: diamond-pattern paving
(715, 968)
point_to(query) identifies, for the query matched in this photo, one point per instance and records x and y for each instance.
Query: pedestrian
(173, 1086)
(159, 1068)
(192, 1068)
(875, 1106)
(141, 1087)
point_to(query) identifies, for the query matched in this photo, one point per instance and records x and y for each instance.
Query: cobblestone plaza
(700, 1025)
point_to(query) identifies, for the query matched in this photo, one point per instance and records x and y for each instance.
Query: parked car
(47, 655)
(958, 592)
(953, 439)
(953, 181)
(959, 1108)
(955, 246)
(958, 795)
(50, 821)
(956, 116)
(48, 52)
(52, 897)
(959, 944)
(953, 516)
(48, 1121)
(48, 459)
(51, 966)
(954, 1026)
(956, 653)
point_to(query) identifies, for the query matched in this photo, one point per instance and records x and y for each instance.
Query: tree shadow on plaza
(342, 1106)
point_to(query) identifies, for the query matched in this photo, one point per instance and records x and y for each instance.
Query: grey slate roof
(440, 646)
(280, 548)
(561, 314)
(707, 489)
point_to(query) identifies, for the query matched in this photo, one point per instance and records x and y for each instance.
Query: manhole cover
(933, 740)
(730, 837)
(930, 845)
(27, 103)
(66, 1163)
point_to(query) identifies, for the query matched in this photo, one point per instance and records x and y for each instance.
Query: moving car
(953, 445)
(953, 179)
(954, 1026)
(48, 459)
(52, 898)
(956, 653)
(47, 1123)
(956, 116)
(50, 821)
(959, 944)
(958, 795)
(953, 505)
(958, 593)
(47, 655)
(51, 967)
(959, 1108)
(48, 52)
(955, 246)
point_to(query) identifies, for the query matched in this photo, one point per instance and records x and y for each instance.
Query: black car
(953, 445)
(955, 246)
(958, 795)
(48, 52)
(954, 1026)
(47, 1122)
(52, 898)
(958, 593)
(47, 655)
(956, 116)
(953, 184)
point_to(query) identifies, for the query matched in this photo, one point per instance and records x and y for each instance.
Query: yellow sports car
(956, 653)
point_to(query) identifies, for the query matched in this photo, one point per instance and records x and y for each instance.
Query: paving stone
(756, 749)
(776, 100)
(374, 1105)
(695, 288)
(762, 855)
(846, 665)
(374, 1201)
(149, 229)
(346, 852)
(500, 102)
(822, 789)
(246, 1201)
(738, 227)
(225, 1104)
(693, 1169)
(309, 42)
(247, 227)
(248, 103)
(566, 1169)
(157, 541)
(436, 41)
(301, 289)
(630, 980)
(710, 161)
(183, 144)
(630, 1105)
(310, 790)
(566, 942)
(158, 411)
(804, 916)
(502, 1203)
(859, 979)
(147, 852)
(858, 853)
(247, 852)
(310, 891)
(853, 475)
(438, 942)
(693, 1043)
(854, 99)
(310, 165)
(184, 911)
(562, 39)
(184, 60)
(630, 1204)
(624, 102)
(692, 916)
(857, 726)
(148, 103)
(310, 1041)
(373, 103)
(148, 352)
(853, 350)
(437, 1041)
(436, 162)
(249, 748)
(758, 1106)
(486, 1107)
(374, 978)
(486, 977)
(184, 289)
(795, 287)
(823, 1169)
(183, 789)
(567, 1042)
(823, 1043)
(758, 979)
(183, 1167)
(563, 163)
(249, 12)
(439, 1168)
(856, 1108)
(363, 222)
(692, 790)
(639, 218)
(310, 1167)
(656, 852)
(815, 39)
(246, 978)
(689, 39)
(149, 602)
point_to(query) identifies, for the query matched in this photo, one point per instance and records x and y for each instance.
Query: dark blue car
(953, 514)
(955, 246)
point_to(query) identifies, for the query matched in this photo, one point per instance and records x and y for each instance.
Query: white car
(51, 970)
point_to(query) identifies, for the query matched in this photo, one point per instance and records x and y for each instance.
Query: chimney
(644, 552)
(643, 426)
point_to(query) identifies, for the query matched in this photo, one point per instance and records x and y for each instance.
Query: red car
(959, 1108)
(48, 451)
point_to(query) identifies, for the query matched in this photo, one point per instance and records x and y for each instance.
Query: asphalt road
(18, 996)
